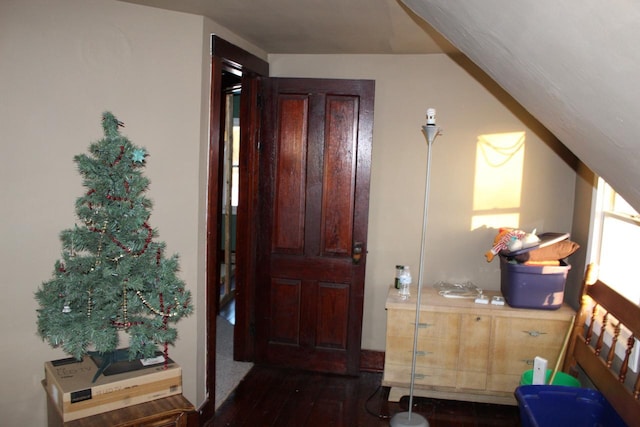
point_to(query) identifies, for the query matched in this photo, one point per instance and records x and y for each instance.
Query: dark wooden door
(315, 161)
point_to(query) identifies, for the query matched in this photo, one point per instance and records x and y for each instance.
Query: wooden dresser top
(431, 300)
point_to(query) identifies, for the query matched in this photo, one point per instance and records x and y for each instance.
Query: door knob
(357, 252)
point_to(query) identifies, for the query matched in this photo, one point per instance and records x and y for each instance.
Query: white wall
(63, 63)
(406, 85)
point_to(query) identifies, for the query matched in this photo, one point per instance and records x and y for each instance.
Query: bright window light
(615, 240)
(498, 180)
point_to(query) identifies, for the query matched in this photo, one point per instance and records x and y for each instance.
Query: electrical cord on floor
(372, 413)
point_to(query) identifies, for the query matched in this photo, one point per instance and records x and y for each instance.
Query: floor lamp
(408, 418)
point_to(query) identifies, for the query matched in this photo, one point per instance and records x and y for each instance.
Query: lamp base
(406, 419)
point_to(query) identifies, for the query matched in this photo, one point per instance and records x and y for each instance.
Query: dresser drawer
(518, 341)
(438, 339)
(532, 332)
(438, 326)
(438, 353)
(425, 375)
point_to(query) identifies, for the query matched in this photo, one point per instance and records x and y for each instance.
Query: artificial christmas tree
(112, 276)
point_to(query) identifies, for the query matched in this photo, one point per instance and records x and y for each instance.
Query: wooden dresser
(467, 351)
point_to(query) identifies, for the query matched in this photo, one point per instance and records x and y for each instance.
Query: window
(616, 237)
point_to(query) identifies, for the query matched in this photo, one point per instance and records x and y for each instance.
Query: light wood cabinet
(467, 351)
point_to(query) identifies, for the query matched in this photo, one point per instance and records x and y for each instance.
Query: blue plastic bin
(561, 406)
(531, 286)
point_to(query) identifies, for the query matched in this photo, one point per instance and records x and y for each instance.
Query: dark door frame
(227, 57)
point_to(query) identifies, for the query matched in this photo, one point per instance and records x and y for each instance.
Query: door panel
(333, 304)
(290, 187)
(314, 196)
(285, 295)
(341, 120)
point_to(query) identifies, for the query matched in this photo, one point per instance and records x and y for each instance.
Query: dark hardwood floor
(281, 397)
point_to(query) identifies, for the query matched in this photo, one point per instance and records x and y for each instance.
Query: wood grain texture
(467, 351)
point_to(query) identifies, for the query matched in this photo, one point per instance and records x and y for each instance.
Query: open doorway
(229, 372)
(230, 159)
(232, 68)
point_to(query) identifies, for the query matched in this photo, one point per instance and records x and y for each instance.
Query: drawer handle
(534, 333)
(528, 361)
(422, 353)
(420, 376)
(424, 325)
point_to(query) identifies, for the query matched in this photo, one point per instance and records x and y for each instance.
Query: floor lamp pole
(408, 418)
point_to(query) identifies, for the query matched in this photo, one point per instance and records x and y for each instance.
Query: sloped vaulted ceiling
(574, 65)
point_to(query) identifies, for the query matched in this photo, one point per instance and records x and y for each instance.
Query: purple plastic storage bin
(560, 406)
(532, 286)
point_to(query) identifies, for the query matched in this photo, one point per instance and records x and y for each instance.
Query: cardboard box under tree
(73, 392)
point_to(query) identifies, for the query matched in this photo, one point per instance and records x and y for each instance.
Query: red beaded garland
(147, 240)
(117, 160)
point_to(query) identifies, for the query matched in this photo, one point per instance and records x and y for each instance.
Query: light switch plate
(539, 371)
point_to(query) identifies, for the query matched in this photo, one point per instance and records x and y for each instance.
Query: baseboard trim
(371, 361)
